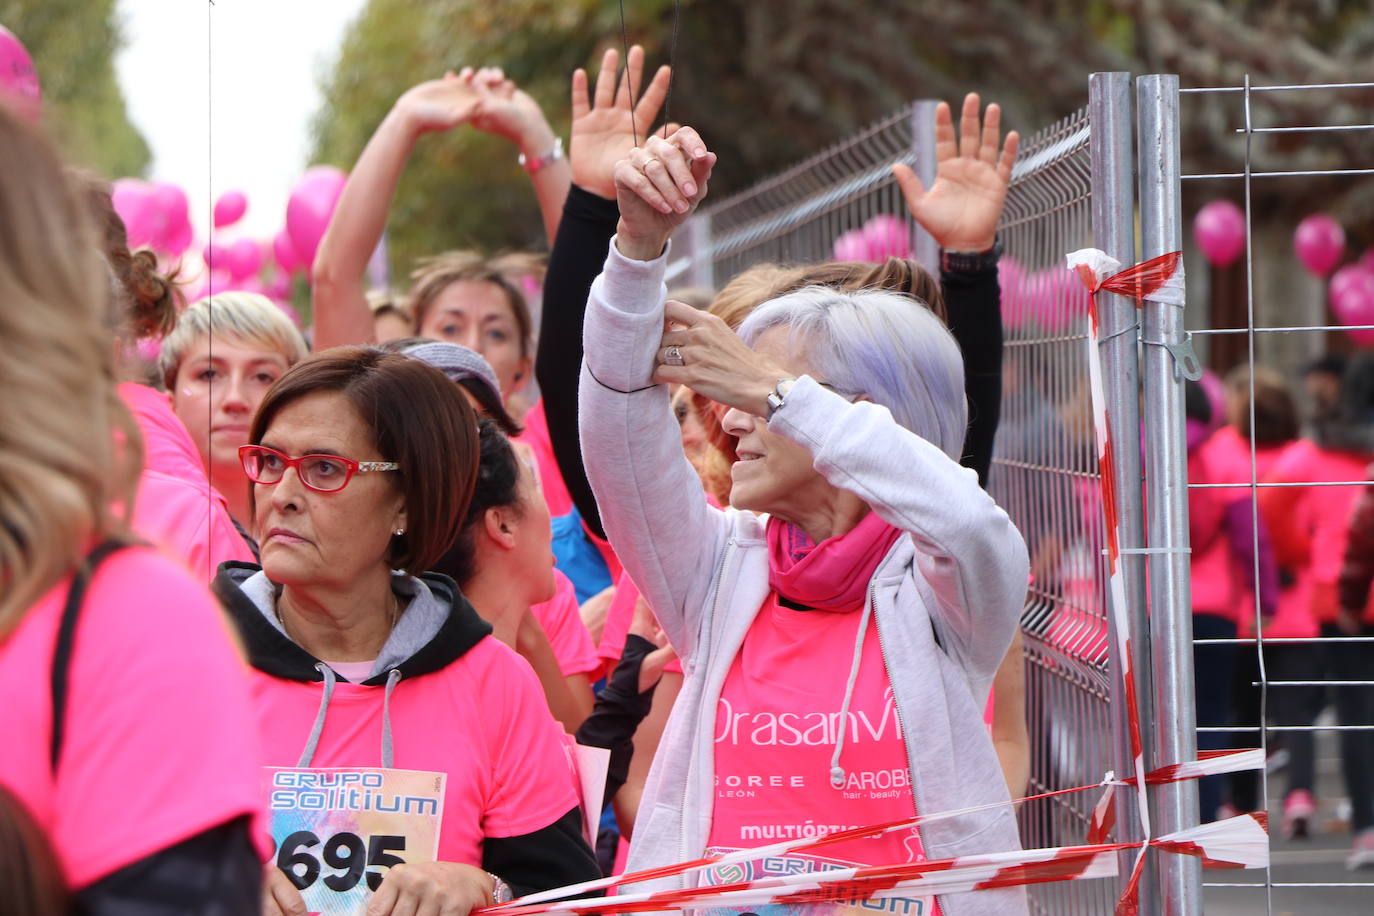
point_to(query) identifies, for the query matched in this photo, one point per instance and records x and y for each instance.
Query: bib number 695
(345, 851)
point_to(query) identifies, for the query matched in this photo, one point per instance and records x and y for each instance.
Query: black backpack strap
(66, 636)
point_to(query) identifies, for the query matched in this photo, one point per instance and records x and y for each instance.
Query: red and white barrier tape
(1238, 842)
(1016, 866)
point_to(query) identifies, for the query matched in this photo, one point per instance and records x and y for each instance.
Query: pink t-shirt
(1317, 518)
(160, 743)
(482, 720)
(175, 507)
(561, 619)
(777, 723)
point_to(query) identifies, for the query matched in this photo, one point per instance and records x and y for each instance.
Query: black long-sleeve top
(973, 301)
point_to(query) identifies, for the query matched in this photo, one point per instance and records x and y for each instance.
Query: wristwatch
(777, 397)
(533, 166)
(971, 262)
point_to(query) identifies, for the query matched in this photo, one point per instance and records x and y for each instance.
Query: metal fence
(1075, 185)
(1295, 693)
(796, 216)
(1046, 477)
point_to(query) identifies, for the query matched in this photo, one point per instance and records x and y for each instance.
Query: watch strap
(971, 262)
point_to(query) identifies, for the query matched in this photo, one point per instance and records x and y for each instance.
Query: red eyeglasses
(322, 473)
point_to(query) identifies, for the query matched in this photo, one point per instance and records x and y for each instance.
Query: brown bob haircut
(419, 419)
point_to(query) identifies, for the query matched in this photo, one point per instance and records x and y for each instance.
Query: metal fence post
(1166, 459)
(1113, 202)
(701, 269)
(923, 148)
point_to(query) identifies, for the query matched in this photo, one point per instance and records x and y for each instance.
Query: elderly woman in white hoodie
(841, 623)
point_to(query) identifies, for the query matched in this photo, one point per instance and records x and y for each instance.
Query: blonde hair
(61, 470)
(248, 316)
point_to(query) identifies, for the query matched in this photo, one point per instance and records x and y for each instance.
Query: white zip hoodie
(946, 599)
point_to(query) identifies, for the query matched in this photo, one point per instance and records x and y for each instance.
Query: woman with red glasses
(411, 758)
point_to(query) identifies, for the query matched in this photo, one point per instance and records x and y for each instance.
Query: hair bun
(154, 299)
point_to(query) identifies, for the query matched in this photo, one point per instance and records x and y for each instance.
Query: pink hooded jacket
(176, 508)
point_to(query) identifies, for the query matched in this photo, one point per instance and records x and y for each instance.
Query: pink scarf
(832, 575)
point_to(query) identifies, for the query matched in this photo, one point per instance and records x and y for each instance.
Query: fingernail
(665, 208)
(689, 188)
(701, 151)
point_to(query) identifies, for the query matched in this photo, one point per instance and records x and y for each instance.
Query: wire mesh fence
(802, 215)
(1280, 672)
(1045, 475)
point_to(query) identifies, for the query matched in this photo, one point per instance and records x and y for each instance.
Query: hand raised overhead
(658, 186)
(962, 208)
(441, 104)
(605, 127)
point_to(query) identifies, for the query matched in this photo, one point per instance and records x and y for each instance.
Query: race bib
(337, 831)
(776, 866)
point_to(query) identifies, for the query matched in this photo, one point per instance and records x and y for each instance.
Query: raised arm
(961, 211)
(604, 129)
(341, 313)
(510, 112)
(652, 503)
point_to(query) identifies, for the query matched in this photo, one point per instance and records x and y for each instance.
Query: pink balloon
(216, 255)
(229, 209)
(1055, 298)
(18, 79)
(1319, 243)
(1355, 306)
(172, 216)
(285, 252)
(851, 246)
(178, 240)
(887, 236)
(1011, 277)
(1343, 279)
(311, 205)
(133, 201)
(1219, 229)
(243, 258)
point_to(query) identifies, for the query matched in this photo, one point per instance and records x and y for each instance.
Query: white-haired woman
(842, 623)
(226, 351)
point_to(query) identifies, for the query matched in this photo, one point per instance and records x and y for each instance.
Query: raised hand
(657, 187)
(506, 110)
(962, 208)
(440, 104)
(604, 127)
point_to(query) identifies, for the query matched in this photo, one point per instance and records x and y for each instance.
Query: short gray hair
(882, 344)
(252, 318)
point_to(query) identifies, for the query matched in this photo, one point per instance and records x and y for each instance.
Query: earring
(400, 531)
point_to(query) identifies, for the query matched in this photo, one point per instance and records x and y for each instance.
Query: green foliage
(769, 82)
(73, 44)
(462, 189)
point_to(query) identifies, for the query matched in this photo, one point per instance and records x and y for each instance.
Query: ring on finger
(672, 356)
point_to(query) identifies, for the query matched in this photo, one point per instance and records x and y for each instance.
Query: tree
(769, 82)
(73, 44)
